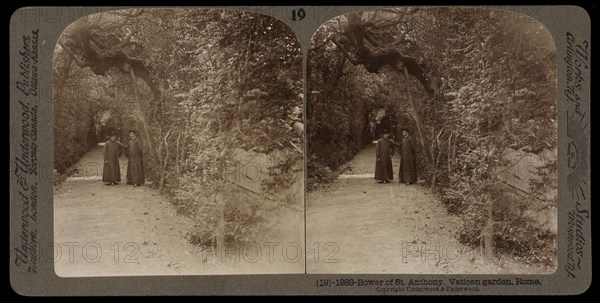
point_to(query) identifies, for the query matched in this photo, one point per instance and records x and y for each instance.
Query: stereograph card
(286, 150)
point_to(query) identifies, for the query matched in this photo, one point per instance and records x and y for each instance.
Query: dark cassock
(135, 165)
(408, 161)
(383, 166)
(111, 172)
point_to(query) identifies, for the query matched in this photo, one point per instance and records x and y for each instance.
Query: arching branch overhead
(359, 44)
(101, 48)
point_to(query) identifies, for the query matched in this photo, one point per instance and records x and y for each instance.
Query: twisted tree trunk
(418, 121)
(142, 116)
(360, 48)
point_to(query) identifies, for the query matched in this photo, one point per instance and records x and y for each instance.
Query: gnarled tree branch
(362, 49)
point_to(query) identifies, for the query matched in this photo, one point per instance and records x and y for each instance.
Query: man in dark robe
(111, 173)
(135, 164)
(383, 167)
(408, 159)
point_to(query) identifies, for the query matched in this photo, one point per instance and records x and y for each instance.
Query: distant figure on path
(135, 165)
(111, 173)
(384, 150)
(408, 159)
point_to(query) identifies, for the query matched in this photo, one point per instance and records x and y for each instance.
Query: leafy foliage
(490, 86)
(208, 85)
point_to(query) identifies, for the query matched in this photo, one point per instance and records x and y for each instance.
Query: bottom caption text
(414, 286)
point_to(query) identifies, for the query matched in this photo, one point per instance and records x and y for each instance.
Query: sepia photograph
(431, 143)
(178, 144)
(300, 150)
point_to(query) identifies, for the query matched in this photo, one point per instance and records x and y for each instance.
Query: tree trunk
(177, 154)
(64, 75)
(220, 231)
(487, 235)
(164, 161)
(434, 168)
(436, 164)
(417, 118)
(450, 154)
(142, 117)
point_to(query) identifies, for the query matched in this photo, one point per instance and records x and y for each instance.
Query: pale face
(113, 137)
(132, 135)
(404, 133)
(386, 135)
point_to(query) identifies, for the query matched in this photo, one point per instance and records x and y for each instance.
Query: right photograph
(431, 143)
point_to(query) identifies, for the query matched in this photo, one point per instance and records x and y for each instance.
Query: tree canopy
(473, 85)
(202, 86)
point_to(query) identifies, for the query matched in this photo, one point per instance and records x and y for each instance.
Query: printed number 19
(298, 15)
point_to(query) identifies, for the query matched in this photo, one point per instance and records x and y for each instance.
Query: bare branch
(315, 46)
(114, 25)
(127, 13)
(127, 41)
(339, 22)
(374, 16)
(111, 25)
(402, 39)
(371, 40)
(352, 59)
(79, 62)
(296, 148)
(401, 11)
(391, 10)
(389, 23)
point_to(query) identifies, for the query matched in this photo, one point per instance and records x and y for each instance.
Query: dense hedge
(214, 82)
(73, 114)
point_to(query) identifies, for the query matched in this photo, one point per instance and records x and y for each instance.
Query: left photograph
(178, 144)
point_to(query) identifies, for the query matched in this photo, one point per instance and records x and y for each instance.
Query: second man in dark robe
(135, 164)
(384, 149)
(408, 159)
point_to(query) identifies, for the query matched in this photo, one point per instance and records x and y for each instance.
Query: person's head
(132, 134)
(113, 136)
(405, 132)
(386, 134)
